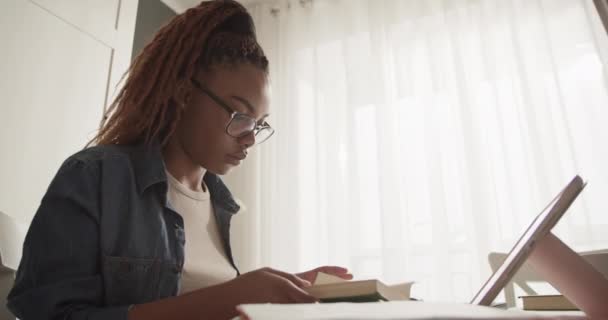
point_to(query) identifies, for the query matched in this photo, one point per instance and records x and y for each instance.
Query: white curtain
(414, 137)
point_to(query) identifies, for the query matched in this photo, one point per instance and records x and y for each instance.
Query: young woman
(138, 226)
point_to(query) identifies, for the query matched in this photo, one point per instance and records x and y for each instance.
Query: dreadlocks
(158, 83)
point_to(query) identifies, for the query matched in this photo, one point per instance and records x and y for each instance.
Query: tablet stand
(571, 275)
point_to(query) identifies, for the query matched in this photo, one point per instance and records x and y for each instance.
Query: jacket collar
(149, 169)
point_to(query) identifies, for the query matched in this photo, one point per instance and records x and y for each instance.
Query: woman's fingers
(294, 292)
(300, 296)
(242, 314)
(335, 271)
(291, 277)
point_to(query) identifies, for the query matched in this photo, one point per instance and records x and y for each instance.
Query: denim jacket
(105, 237)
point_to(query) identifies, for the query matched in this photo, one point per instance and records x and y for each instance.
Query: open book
(329, 288)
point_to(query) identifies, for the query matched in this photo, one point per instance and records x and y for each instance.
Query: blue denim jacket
(105, 237)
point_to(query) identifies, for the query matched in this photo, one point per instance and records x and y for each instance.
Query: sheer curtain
(416, 136)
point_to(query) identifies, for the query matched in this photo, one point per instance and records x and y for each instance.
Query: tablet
(540, 226)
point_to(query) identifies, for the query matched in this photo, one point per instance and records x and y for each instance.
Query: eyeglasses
(240, 124)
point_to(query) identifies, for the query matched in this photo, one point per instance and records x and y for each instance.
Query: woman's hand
(264, 285)
(311, 275)
(268, 285)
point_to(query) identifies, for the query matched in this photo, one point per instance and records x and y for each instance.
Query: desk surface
(402, 310)
(575, 315)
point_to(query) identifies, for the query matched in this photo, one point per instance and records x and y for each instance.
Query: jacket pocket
(130, 280)
(170, 275)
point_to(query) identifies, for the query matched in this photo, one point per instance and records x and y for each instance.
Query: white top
(205, 263)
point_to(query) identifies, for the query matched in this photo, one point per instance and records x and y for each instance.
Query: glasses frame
(234, 114)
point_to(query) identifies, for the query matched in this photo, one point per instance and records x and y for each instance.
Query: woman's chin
(222, 169)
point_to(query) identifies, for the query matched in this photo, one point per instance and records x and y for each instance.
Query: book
(547, 302)
(329, 288)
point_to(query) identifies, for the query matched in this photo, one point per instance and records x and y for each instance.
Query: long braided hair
(158, 83)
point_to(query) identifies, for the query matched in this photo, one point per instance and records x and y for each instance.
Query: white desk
(574, 315)
(402, 310)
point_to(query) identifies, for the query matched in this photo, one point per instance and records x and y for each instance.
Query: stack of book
(547, 302)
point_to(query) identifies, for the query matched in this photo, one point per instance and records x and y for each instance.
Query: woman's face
(201, 130)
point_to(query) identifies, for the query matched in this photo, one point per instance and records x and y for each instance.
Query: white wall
(59, 64)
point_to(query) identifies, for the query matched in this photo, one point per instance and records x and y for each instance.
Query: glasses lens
(241, 125)
(263, 134)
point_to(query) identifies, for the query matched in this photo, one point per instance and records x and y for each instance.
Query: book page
(400, 291)
(324, 278)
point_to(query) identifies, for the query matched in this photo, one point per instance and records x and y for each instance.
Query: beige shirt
(205, 262)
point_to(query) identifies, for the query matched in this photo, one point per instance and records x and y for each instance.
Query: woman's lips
(236, 159)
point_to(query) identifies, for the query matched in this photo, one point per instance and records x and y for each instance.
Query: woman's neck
(181, 166)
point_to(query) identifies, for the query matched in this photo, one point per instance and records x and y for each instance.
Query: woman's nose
(247, 140)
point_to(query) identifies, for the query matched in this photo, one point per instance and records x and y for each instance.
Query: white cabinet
(60, 61)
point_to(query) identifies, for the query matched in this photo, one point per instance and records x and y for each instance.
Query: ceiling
(180, 6)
